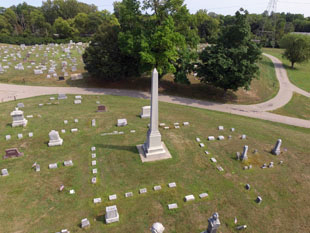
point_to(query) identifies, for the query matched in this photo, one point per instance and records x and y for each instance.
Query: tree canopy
(231, 62)
(297, 48)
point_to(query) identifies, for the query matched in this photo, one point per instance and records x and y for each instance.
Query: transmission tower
(272, 9)
(272, 6)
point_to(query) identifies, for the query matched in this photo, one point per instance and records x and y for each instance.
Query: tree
(297, 48)
(103, 58)
(63, 28)
(231, 63)
(208, 27)
(162, 49)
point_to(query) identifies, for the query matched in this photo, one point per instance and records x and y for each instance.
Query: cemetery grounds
(31, 202)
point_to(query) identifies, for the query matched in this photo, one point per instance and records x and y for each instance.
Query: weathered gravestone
(4, 172)
(11, 153)
(121, 122)
(276, 150)
(157, 228)
(111, 214)
(101, 108)
(244, 155)
(62, 96)
(18, 118)
(85, 223)
(146, 112)
(214, 223)
(55, 139)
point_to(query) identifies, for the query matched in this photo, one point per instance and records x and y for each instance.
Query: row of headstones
(19, 136)
(94, 163)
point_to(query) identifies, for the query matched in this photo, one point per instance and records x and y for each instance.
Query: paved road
(260, 111)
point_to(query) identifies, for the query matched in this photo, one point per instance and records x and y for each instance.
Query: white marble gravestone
(153, 149)
(18, 118)
(157, 228)
(111, 214)
(55, 139)
(146, 112)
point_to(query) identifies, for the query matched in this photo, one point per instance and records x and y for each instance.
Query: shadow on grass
(118, 147)
(166, 87)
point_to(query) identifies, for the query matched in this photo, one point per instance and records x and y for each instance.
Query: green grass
(261, 89)
(30, 201)
(299, 107)
(299, 76)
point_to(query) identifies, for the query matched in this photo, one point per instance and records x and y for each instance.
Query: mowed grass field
(262, 89)
(298, 107)
(30, 201)
(299, 76)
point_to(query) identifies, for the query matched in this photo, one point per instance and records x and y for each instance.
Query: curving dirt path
(260, 111)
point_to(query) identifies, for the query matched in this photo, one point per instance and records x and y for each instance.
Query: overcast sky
(221, 6)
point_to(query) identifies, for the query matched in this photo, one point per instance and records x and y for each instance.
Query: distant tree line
(68, 19)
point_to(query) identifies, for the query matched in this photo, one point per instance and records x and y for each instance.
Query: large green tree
(231, 63)
(297, 48)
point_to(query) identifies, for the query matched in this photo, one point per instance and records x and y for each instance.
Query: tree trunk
(292, 65)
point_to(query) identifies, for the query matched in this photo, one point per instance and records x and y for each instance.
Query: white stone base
(145, 116)
(55, 142)
(154, 155)
(20, 123)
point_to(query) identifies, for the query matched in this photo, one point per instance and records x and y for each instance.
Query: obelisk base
(154, 154)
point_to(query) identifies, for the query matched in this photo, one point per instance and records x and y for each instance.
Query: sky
(225, 7)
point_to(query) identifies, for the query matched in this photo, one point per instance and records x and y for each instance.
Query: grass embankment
(299, 107)
(31, 202)
(261, 89)
(299, 76)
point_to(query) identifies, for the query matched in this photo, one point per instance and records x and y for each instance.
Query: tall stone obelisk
(153, 149)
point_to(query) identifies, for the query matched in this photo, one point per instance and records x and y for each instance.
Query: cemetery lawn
(299, 76)
(299, 107)
(262, 89)
(30, 201)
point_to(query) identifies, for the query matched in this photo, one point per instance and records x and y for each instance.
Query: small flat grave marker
(144, 190)
(203, 195)
(76, 120)
(101, 108)
(220, 168)
(112, 197)
(63, 131)
(132, 131)
(78, 97)
(65, 122)
(20, 136)
(189, 198)
(213, 160)
(93, 155)
(221, 137)
(186, 123)
(97, 200)
(129, 194)
(94, 180)
(172, 206)
(95, 171)
(72, 191)
(77, 101)
(198, 140)
(68, 163)
(221, 127)
(74, 130)
(7, 137)
(172, 185)
(52, 166)
(93, 148)
(211, 138)
(157, 188)
(30, 134)
(201, 145)
(94, 163)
